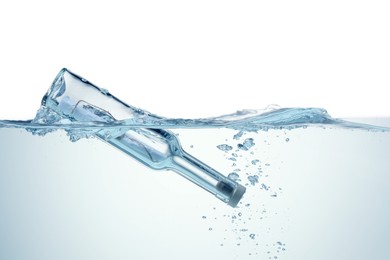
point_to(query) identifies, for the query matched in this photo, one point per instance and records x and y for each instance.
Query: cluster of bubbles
(250, 171)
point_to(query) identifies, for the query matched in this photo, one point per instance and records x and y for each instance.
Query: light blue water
(317, 188)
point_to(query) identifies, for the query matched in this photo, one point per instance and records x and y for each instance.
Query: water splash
(47, 121)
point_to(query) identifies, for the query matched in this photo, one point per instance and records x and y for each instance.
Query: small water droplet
(248, 143)
(254, 162)
(234, 176)
(253, 179)
(264, 187)
(238, 135)
(252, 236)
(224, 147)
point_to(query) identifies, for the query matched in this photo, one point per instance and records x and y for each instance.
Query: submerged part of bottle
(77, 99)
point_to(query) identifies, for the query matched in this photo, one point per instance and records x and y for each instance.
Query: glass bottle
(77, 99)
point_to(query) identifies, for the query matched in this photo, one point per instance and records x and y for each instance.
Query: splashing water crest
(47, 121)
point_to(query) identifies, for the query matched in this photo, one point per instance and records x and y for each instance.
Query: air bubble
(253, 179)
(234, 176)
(224, 147)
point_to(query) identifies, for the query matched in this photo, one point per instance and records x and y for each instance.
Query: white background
(201, 58)
(195, 59)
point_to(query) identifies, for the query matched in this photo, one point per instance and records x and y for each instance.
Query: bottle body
(75, 98)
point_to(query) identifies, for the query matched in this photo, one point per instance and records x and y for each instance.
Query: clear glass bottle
(77, 99)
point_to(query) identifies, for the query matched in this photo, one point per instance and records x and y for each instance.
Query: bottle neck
(207, 178)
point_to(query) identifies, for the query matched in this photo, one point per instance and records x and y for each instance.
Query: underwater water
(317, 188)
